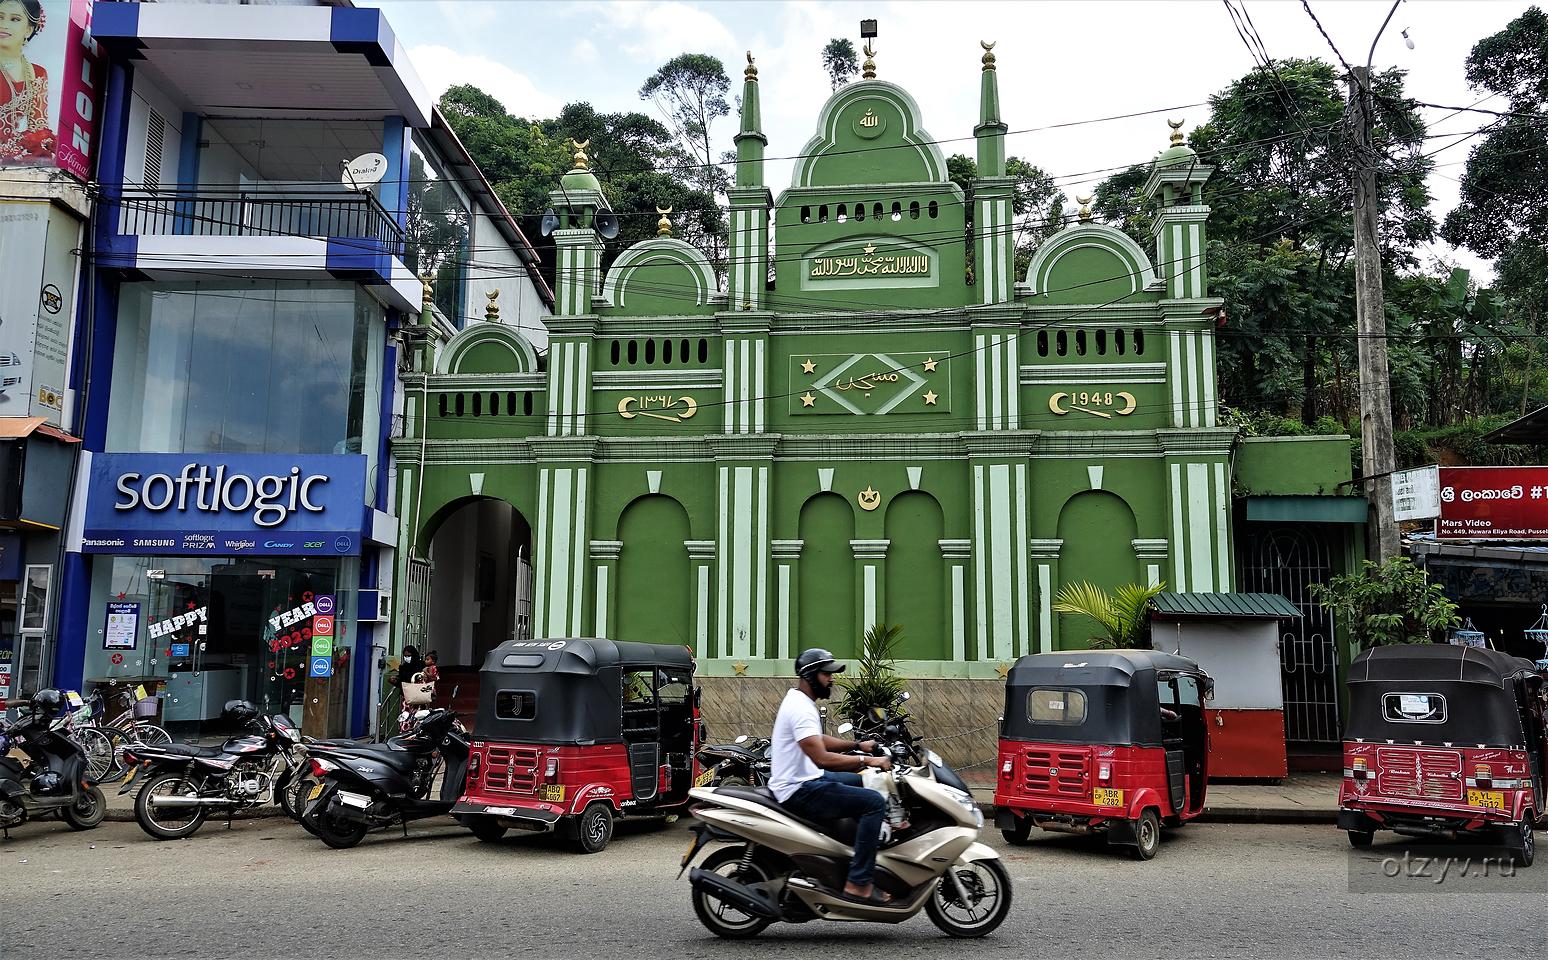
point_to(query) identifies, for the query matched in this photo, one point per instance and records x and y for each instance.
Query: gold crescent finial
(868, 69)
(492, 309)
(751, 73)
(988, 58)
(987, 45)
(1176, 126)
(428, 295)
(582, 162)
(664, 225)
(1085, 209)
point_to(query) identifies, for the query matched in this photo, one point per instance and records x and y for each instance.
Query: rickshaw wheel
(1360, 839)
(594, 828)
(1019, 833)
(1147, 834)
(1524, 845)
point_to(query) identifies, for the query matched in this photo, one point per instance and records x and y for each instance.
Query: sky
(1059, 61)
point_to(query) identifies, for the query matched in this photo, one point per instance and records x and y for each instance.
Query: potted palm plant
(1121, 614)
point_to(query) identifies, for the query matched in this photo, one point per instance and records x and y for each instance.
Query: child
(25, 136)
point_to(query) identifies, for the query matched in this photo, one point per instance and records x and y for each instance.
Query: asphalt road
(265, 889)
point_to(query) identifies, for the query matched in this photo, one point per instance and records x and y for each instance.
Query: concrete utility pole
(1377, 456)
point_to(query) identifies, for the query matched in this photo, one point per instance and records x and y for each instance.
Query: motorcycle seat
(184, 750)
(397, 758)
(841, 830)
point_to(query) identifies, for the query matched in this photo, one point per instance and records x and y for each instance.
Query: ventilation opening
(510, 403)
(913, 210)
(634, 351)
(1139, 342)
(443, 404)
(1061, 343)
(1101, 343)
(935, 210)
(666, 352)
(460, 406)
(897, 211)
(526, 403)
(1119, 342)
(859, 211)
(1042, 343)
(1080, 343)
(155, 143)
(613, 354)
(704, 351)
(683, 350)
(478, 404)
(650, 351)
(806, 214)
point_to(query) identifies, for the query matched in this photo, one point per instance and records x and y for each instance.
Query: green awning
(1306, 509)
(1222, 606)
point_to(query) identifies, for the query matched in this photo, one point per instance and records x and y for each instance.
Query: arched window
(460, 405)
(822, 214)
(913, 210)
(650, 351)
(806, 214)
(703, 351)
(683, 349)
(1101, 343)
(443, 404)
(613, 354)
(935, 210)
(1042, 343)
(526, 403)
(666, 352)
(859, 211)
(1080, 343)
(1120, 342)
(510, 402)
(1061, 343)
(478, 404)
(843, 213)
(876, 212)
(634, 351)
(1139, 343)
(897, 211)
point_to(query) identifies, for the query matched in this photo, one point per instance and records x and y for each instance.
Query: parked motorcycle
(782, 867)
(52, 779)
(362, 787)
(742, 763)
(187, 782)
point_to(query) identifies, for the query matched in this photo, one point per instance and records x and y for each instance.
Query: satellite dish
(607, 225)
(364, 170)
(550, 221)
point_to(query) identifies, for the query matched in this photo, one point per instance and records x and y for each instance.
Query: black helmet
(47, 700)
(816, 660)
(239, 711)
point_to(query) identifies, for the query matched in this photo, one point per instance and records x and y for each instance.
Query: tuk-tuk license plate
(554, 793)
(1107, 797)
(705, 777)
(1493, 799)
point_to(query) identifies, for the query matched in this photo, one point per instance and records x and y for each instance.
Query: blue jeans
(839, 796)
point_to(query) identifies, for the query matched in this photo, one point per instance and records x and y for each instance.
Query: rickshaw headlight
(1358, 768)
(552, 769)
(1104, 771)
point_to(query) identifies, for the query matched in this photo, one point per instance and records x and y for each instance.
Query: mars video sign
(1493, 503)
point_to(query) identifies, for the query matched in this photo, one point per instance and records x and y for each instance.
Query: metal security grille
(418, 603)
(1287, 561)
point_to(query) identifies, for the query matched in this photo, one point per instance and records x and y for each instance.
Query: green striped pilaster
(748, 267)
(564, 497)
(569, 387)
(743, 475)
(1191, 377)
(1001, 566)
(995, 247)
(1199, 528)
(579, 255)
(997, 376)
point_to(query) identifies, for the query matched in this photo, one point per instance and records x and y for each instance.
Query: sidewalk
(1299, 798)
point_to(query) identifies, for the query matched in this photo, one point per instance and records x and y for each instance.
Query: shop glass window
(515, 705)
(438, 230)
(246, 367)
(1050, 705)
(1413, 708)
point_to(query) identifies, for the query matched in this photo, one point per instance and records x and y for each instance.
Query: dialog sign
(1493, 503)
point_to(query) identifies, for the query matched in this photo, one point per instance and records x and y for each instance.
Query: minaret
(1177, 178)
(748, 267)
(995, 251)
(579, 250)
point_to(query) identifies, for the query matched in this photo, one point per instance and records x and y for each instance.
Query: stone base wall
(958, 718)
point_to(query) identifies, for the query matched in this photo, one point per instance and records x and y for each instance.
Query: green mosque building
(875, 418)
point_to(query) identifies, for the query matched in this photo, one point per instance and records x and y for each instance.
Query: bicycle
(133, 727)
(103, 758)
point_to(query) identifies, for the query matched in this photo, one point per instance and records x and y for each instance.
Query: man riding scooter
(815, 776)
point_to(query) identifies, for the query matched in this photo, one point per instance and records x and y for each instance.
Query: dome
(580, 179)
(1178, 152)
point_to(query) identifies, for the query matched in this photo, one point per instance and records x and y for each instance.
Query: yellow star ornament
(930, 364)
(807, 400)
(930, 397)
(808, 366)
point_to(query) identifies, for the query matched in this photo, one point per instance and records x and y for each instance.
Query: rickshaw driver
(815, 776)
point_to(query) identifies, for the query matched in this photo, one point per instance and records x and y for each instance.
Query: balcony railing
(241, 213)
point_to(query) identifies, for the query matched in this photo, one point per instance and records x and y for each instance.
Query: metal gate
(1286, 561)
(417, 605)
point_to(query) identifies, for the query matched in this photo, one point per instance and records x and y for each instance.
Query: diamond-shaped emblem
(869, 384)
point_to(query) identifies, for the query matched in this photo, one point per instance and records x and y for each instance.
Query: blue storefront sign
(10, 556)
(168, 504)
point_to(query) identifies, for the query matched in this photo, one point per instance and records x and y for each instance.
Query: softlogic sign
(167, 504)
(1493, 503)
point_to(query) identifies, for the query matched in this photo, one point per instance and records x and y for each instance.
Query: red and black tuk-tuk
(1102, 741)
(573, 733)
(1444, 740)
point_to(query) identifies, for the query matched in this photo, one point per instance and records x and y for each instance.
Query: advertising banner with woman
(51, 75)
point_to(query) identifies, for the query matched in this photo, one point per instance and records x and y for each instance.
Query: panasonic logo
(271, 498)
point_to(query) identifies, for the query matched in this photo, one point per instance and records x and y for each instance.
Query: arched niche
(827, 616)
(869, 132)
(661, 277)
(654, 580)
(1097, 530)
(487, 348)
(1089, 263)
(916, 576)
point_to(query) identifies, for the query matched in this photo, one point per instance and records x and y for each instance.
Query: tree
(1394, 602)
(1037, 203)
(691, 90)
(1122, 615)
(840, 61)
(875, 681)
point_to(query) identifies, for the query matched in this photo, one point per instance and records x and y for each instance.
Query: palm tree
(1121, 614)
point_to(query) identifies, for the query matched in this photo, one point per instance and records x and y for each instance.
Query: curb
(1277, 815)
(261, 813)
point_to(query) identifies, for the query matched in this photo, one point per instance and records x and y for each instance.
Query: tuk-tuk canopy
(1092, 696)
(566, 691)
(1437, 693)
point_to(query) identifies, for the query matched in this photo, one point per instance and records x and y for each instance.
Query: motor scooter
(52, 780)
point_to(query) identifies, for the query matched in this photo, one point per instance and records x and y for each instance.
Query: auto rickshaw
(573, 733)
(1103, 741)
(1444, 740)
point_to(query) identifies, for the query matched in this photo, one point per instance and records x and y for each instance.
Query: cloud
(657, 32)
(442, 67)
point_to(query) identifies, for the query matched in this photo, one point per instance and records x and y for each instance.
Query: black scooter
(744, 763)
(372, 786)
(52, 781)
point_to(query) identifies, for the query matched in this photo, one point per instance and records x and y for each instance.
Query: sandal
(876, 898)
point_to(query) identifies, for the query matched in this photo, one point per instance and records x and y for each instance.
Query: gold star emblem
(807, 400)
(930, 364)
(741, 668)
(870, 248)
(1003, 669)
(930, 397)
(808, 366)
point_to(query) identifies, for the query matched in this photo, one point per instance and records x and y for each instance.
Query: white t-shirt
(789, 766)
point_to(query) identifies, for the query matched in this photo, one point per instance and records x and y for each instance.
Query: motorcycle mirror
(903, 697)
(846, 727)
(742, 738)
